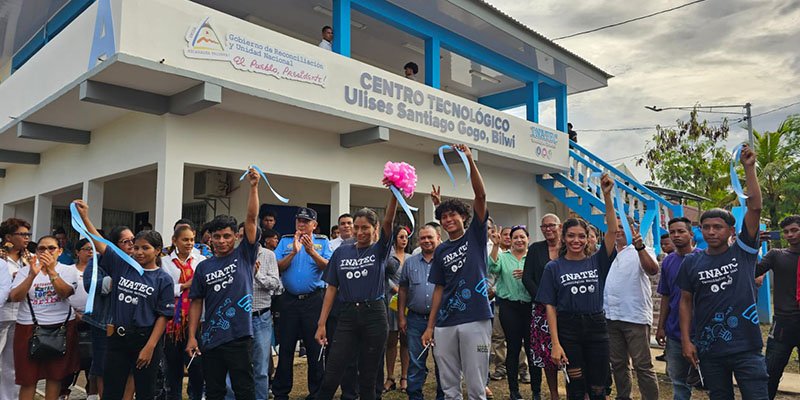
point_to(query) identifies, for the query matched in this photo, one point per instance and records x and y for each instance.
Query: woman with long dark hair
(15, 234)
(82, 251)
(43, 289)
(394, 266)
(572, 291)
(356, 274)
(539, 254)
(181, 264)
(141, 307)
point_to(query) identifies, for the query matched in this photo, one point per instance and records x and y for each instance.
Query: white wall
(59, 62)
(131, 142)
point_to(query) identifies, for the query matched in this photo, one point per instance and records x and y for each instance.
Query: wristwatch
(640, 248)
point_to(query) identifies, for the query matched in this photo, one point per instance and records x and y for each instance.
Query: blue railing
(49, 30)
(646, 207)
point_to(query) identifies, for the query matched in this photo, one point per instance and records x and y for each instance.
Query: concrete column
(340, 201)
(561, 108)
(169, 194)
(428, 211)
(93, 196)
(7, 211)
(532, 101)
(433, 69)
(341, 27)
(533, 224)
(42, 215)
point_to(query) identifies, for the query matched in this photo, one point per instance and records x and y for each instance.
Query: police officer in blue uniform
(302, 259)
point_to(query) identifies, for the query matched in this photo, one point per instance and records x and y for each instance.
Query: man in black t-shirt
(785, 333)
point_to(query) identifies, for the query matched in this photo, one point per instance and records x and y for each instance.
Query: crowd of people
(213, 304)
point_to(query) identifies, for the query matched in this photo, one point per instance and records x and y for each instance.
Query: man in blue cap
(302, 258)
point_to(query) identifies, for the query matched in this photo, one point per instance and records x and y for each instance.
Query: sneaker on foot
(525, 378)
(497, 375)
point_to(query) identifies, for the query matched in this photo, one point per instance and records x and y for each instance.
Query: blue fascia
(415, 25)
(518, 97)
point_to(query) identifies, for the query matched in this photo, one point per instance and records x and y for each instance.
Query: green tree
(777, 168)
(691, 157)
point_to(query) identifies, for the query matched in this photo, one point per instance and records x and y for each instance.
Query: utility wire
(629, 20)
(773, 110)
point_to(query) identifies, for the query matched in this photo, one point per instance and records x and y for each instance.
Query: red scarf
(176, 327)
(797, 295)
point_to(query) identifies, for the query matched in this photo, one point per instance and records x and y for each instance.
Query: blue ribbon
(447, 167)
(622, 216)
(736, 155)
(402, 201)
(263, 176)
(80, 227)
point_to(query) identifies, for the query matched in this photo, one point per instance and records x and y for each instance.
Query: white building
(131, 102)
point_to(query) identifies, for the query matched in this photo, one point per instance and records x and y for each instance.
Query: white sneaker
(93, 397)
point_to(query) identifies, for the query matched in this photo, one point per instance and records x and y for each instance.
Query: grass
(500, 388)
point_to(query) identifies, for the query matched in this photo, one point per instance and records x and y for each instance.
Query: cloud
(714, 52)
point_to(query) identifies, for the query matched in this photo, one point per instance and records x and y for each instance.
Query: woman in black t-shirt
(572, 290)
(355, 274)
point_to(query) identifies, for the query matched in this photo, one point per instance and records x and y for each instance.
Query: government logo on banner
(204, 43)
(252, 55)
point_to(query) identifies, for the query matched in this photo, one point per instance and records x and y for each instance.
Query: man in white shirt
(345, 231)
(327, 38)
(628, 306)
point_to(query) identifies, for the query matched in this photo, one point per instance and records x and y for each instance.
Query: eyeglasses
(548, 226)
(23, 234)
(128, 242)
(86, 248)
(42, 249)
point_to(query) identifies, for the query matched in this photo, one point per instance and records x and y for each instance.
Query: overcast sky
(714, 52)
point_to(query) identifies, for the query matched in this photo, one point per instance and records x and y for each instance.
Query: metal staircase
(583, 195)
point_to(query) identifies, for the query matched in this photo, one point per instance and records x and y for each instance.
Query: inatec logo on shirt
(455, 260)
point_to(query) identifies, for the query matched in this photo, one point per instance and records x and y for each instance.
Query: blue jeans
(417, 370)
(749, 368)
(262, 351)
(678, 370)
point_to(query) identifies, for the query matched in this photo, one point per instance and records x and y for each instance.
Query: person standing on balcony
(573, 136)
(539, 254)
(669, 330)
(410, 70)
(302, 258)
(571, 289)
(460, 311)
(718, 300)
(327, 38)
(785, 333)
(628, 306)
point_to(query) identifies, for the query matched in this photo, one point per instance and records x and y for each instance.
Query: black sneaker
(662, 357)
(515, 396)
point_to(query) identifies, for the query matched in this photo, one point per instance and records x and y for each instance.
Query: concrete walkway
(790, 383)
